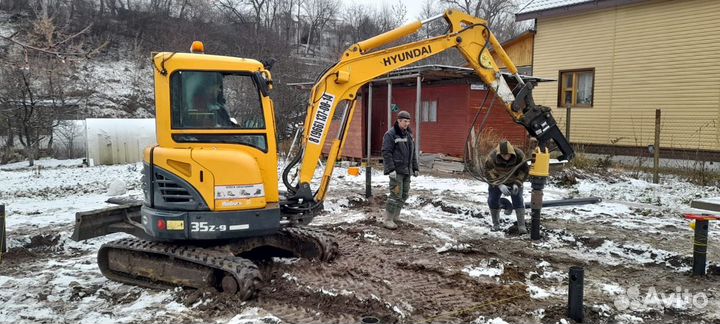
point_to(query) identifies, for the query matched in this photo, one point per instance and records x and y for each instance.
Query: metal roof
(549, 8)
(540, 5)
(428, 72)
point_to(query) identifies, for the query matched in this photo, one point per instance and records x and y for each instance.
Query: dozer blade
(161, 265)
(104, 221)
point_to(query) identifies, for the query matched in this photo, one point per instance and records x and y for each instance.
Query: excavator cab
(213, 174)
(210, 185)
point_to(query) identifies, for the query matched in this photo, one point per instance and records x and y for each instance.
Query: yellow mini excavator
(212, 201)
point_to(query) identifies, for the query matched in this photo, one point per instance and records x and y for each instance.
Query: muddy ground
(441, 266)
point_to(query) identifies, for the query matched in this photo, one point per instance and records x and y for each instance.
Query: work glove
(416, 173)
(393, 175)
(504, 189)
(516, 189)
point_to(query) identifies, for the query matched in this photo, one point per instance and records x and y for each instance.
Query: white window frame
(428, 111)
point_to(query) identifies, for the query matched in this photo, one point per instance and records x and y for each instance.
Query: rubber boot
(520, 213)
(495, 215)
(389, 222)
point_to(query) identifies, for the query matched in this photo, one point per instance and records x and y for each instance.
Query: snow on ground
(52, 194)
(6, 27)
(125, 80)
(42, 163)
(488, 268)
(45, 200)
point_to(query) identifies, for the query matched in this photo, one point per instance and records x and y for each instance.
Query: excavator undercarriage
(226, 266)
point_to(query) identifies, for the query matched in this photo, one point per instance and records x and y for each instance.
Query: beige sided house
(616, 62)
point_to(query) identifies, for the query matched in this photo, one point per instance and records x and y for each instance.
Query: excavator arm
(359, 64)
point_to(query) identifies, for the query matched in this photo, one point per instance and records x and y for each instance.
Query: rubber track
(325, 240)
(245, 272)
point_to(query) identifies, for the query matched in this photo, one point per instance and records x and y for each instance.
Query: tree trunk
(310, 30)
(182, 9)
(31, 154)
(50, 143)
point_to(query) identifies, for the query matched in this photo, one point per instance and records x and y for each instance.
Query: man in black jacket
(400, 162)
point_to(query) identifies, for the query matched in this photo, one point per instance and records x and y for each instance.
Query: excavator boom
(359, 65)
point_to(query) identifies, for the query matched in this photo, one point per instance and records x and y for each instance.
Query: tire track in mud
(292, 313)
(394, 283)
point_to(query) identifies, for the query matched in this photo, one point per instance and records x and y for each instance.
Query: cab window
(215, 100)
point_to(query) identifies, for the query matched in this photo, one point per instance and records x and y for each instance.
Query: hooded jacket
(398, 151)
(496, 167)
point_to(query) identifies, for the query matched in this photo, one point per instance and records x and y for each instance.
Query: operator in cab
(208, 101)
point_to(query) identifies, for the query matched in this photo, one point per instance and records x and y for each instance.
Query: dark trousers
(494, 195)
(399, 192)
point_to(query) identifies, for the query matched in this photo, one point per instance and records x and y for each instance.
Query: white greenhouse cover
(118, 141)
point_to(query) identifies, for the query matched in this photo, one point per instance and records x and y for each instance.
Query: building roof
(540, 5)
(432, 72)
(549, 8)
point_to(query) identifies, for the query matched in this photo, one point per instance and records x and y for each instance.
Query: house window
(576, 88)
(429, 111)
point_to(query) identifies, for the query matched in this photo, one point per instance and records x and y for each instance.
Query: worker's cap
(505, 148)
(403, 115)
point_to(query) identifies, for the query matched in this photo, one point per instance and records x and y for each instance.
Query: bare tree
(318, 14)
(498, 13)
(24, 106)
(35, 79)
(390, 16)
(361, 22)
(358, 24)
(67, 133)
(429, 9)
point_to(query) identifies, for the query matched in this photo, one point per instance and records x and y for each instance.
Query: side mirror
(263, 84)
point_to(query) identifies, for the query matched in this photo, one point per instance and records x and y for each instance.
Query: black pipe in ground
(569, 202)
(368, 181)
(535, 224)
(3, 240)
(506, 204)
(700, 247)
(369, 320)
(536, 204)
(575, 294)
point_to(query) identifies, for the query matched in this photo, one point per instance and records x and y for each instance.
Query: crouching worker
(506, 170)
(399, 162)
